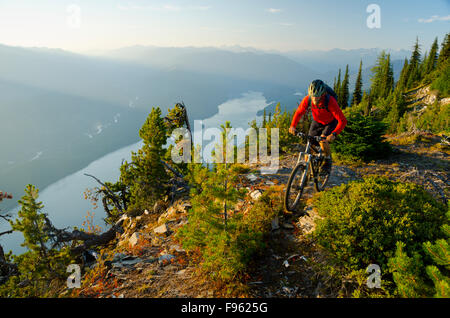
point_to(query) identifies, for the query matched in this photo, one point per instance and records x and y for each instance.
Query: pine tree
(382, 77)
(431, 62)
(145, 177)
(444, 54)
(388, 78)
(414, 65)
(337, 89)
(343, 93)
(41, 264)
(357, 93)
(403, 79)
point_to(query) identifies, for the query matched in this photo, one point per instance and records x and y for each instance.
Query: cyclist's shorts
(318, 129)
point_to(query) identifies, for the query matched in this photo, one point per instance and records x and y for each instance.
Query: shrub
(427, 274)
(363, 221)
(362, 138)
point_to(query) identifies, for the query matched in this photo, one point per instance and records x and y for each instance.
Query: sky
(282, 25)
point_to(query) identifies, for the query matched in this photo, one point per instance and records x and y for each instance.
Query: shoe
(325, 169)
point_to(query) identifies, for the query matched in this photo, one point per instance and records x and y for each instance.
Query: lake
(64, 200)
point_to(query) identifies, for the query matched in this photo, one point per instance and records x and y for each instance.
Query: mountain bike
(307, 169)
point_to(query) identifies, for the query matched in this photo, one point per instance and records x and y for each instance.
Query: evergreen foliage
(343, 94)
(382, 77)
(42, 266)
(426, 273)
(376, 213)
(362, 139)
(145, 176)
(357, 93)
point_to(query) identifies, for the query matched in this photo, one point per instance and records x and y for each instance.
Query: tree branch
(115, 200)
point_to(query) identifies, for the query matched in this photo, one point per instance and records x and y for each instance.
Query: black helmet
(316, 88)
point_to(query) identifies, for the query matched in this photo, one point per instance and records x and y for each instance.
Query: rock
(256, 194)
(118, 256)
(162, 229)
(166, 258)
(275, 223)
(288, 226)
(121, 260)
(134, 239)
(150, 260)
(176, 248)
(130, 262)
(251, 177)
(181, 272)
(146, 212)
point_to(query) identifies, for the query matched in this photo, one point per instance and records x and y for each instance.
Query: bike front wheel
(295, 187)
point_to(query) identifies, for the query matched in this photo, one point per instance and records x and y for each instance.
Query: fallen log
(59, 236)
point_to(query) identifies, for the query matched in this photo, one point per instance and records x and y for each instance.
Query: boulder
(134, 239)
(256, 194)
(162, 229)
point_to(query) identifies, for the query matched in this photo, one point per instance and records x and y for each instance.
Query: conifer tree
(382, 77)
(145, 176)
(403, 79)
(444, 53)
(414, 65)
(357, 93)
(388, 78)
(42, 263)
(337, 89)
(431, 62)
(344, 94)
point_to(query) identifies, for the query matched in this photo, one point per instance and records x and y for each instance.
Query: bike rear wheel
(295, 187)
(321, 181)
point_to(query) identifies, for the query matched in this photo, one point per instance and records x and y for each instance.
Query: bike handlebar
(316, 138)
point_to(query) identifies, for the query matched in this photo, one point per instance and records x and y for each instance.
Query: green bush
(426, 274)
(362, 139)
(363, 221)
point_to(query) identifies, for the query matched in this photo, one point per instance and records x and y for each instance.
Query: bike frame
(306, 154)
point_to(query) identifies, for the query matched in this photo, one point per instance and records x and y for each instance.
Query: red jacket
(320, 114)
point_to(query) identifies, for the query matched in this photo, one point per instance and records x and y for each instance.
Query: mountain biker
(328, 120)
